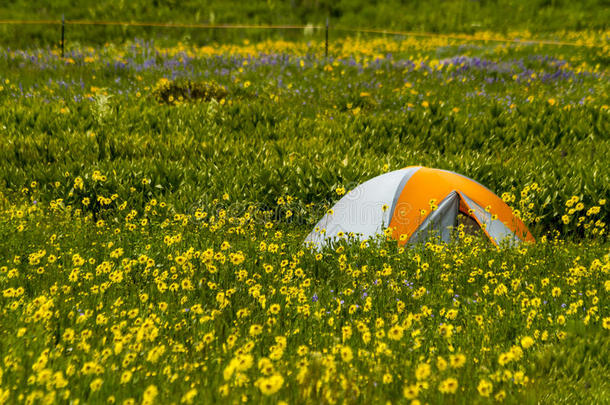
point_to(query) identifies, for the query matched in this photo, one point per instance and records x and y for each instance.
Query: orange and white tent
(415, 203)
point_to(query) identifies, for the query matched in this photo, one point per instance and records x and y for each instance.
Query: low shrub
(179, 91)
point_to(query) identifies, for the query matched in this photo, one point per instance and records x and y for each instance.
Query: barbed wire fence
(326, 27)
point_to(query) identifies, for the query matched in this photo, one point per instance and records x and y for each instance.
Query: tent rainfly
(415, 203)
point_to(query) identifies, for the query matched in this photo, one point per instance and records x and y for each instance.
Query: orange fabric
(426, 184)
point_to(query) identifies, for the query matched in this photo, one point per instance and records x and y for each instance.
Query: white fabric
(361, 210)
(440, 221)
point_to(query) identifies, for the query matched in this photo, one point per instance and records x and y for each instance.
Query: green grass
(152, 246)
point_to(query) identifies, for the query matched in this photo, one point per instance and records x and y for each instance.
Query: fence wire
(457, 37)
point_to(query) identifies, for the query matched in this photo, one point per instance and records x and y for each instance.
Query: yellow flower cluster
(148, 305)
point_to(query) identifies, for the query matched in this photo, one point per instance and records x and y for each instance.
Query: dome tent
(417, 202)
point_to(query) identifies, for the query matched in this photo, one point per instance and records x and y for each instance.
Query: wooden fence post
(63, 30)
(326, 42)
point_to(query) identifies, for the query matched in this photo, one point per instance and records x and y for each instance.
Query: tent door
(440, 222)
(497, 231)
(458, 208)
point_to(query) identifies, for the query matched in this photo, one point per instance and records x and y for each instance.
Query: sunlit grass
(153, 253)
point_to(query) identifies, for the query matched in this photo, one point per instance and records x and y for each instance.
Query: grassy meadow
(154, 200)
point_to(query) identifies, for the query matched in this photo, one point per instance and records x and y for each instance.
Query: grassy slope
(500, 115)
(259, 148)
